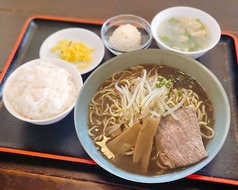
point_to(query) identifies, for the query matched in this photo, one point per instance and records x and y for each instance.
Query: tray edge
(83, 160)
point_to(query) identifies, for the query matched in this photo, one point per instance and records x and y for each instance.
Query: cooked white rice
(41, 91)
(126, 37)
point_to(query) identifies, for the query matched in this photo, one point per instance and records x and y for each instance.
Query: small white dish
(87, 37)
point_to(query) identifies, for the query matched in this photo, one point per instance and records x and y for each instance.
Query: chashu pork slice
(179, 142)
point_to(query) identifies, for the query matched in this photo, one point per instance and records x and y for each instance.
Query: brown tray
(59, 141)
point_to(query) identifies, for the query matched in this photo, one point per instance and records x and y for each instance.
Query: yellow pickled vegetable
(73, 52)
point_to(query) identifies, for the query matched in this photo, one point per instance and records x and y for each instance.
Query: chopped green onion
(187, 33)
(180, 92)
(203, 27)
(163, 81)
(164, 38)
(173, 20)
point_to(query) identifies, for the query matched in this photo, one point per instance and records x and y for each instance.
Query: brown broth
(180, 80)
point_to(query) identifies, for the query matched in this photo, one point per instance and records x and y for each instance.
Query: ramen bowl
(37, 92)
(214, 89)
(166, 26)
(125, 33)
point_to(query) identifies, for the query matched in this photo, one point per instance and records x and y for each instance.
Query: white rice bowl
(42, 91)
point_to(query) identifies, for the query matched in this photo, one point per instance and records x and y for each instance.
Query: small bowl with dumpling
(186, 30)
(144, 116)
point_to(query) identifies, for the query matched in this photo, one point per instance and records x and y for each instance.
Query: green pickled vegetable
(163, 81)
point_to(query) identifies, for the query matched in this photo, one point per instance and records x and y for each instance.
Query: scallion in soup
(184, 33)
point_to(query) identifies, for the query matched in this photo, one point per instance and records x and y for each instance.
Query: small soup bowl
(213, 28)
